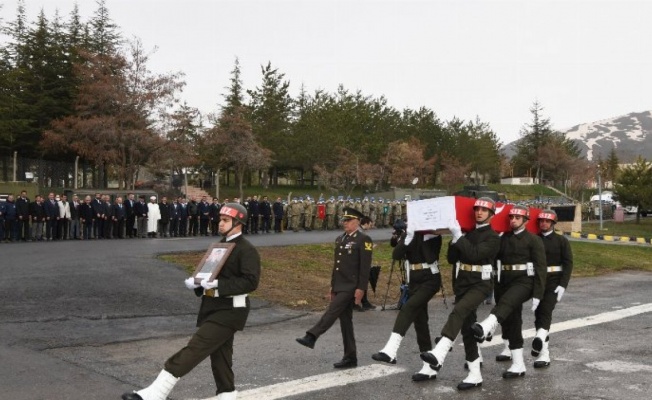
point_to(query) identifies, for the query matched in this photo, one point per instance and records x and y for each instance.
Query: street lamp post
(600, 195)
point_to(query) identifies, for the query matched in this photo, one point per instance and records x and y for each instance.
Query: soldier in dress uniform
(420, 252)
(521, 267)
(559, 258)
(224, 311)
(349, 281)
(473, 256)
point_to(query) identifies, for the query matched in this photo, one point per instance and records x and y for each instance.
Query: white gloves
(535, 303)
(190, 283)
(560, 292)
(206, 284)
(456, 230)
(408, 237)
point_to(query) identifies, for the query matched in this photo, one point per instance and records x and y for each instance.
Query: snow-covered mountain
(630, 134)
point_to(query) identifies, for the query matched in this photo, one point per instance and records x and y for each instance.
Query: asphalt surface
(94, 319)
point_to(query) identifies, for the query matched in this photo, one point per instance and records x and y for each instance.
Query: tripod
(403, 287)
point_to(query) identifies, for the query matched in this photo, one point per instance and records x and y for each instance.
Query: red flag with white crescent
(437, 213)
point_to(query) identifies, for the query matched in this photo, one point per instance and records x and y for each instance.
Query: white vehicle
(607, 197)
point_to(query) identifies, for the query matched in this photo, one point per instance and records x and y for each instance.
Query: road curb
(608, 238)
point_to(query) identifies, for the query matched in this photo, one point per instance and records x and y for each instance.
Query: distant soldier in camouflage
(308, 212)
(339, 211)
(296, 209)
(384, 209)
(373, 206)
(366, 210)
(358, 205)
(330, 214)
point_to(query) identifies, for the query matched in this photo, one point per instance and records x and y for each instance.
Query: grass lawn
(626, 228)
(299, 276)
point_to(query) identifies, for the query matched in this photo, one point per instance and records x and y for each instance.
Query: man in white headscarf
(153, 216)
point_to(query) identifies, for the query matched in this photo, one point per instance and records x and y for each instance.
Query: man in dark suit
(118, 214)
(98, 216)
(86, 217)
(37, 213)
(107, 224)
(22, 216)
(277, 208)
(266, 214)
(214, 215)
(183, 217)
(224, 310)
(193, 217)
(51, 217)
(130, 215)
(141, 216)
(204, 217)
(75, 228)
(174, 218)
(164, 222)
(349, 281)
(254, 210)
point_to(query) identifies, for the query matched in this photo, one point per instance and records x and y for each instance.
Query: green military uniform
(307, 214)
(366, 208)
(515, 286)
(330, 215)
(220, 317)
(350, 272)
(478, 247)
(373, 211)
(422, 257)
(296, 209)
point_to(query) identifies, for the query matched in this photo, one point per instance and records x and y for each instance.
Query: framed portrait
(212, 262)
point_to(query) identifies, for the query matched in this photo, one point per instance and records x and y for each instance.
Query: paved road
(94, 319)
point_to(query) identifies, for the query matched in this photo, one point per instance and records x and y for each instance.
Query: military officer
(473, 256)
(349, 280)
(521, 267)
(223, 312)
(559, 259)
(420, 252)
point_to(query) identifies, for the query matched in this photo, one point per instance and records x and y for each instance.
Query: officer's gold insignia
(368, 246)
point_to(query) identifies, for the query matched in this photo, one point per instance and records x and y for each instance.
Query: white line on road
(324, 381)
(318, 382)
(605, 317)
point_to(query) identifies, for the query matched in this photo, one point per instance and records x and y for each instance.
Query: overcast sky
(583, 60)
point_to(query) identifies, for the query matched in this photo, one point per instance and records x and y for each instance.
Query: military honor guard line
(526, 263)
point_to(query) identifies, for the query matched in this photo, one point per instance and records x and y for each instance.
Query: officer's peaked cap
(351, 213)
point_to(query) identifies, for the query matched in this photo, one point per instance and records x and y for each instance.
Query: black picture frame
(211, 264)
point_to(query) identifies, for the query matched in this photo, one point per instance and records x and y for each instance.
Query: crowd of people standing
(57, 217)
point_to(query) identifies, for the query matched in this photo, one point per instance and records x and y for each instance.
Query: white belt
(555, 268)
(433, 267)
(238, 301)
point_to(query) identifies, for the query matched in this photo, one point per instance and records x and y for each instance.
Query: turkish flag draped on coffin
(438, 213)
